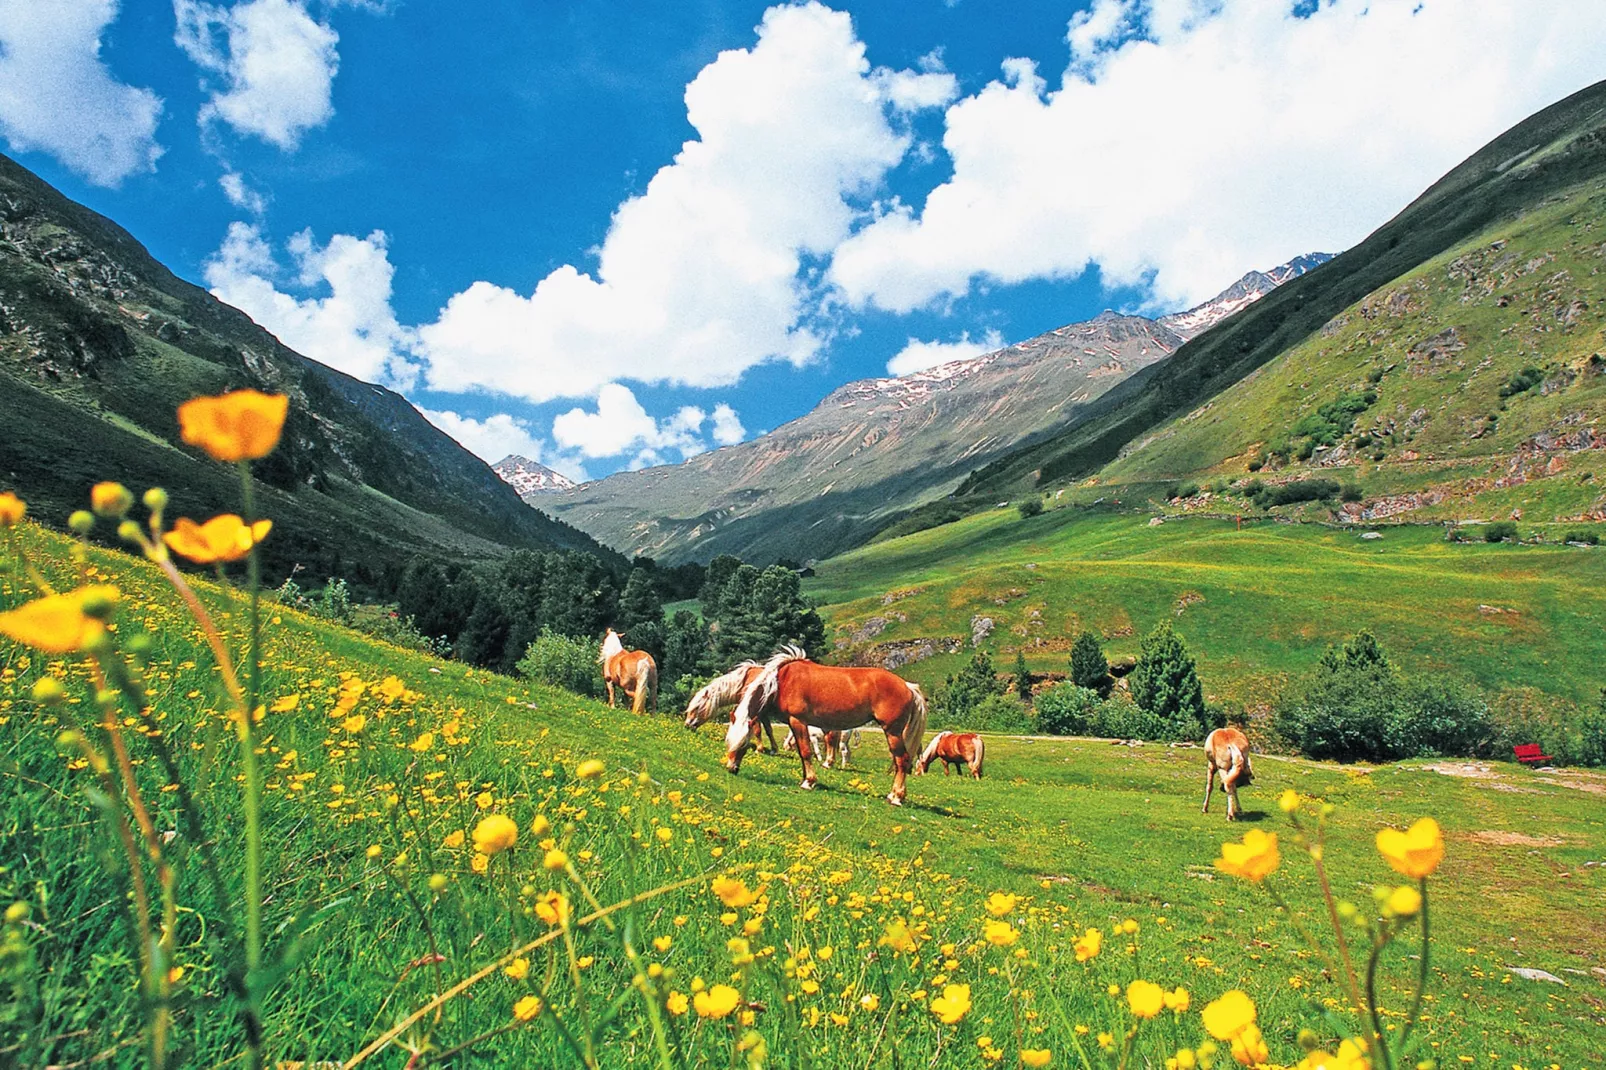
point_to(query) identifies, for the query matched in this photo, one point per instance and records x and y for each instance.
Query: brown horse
(953, 748)
(1227, 754)
(722, 693)
(832, 698)
(632, 670)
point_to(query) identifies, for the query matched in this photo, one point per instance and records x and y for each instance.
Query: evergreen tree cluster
(752, 612)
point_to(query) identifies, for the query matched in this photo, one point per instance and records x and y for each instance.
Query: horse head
(743, 731)
(611, 645)
(701, 707)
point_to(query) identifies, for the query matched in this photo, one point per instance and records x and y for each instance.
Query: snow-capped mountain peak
(530, 478)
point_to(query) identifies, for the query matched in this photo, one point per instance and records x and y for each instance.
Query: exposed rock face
(531, 479)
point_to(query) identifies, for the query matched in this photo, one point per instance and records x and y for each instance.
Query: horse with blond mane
(723, 693)
(1227, 755)
(632, 670)
(953, 748)
(808, 694)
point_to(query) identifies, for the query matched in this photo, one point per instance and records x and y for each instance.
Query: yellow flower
(517, 968)
(12, 509)
(552, 908)
(453, 839)
(1288, 801)
(732, 892)
(1036, 1056)
(1000, 903)
(555, 860)
(58, 623)
(1000, 933)
(897, 936)
(480, 864)
(952, 1005)
(1178, 1000)
(540, 826)
(422, 743)
(286, 703)
(1351, 1055)
(484, 800)
(223, 538)
(242, 425)
(495, 834)
(588, 769)
(1249, 1047)
(1414, 853)
(1130, 926)
(110, 500)
(870, 1001)
(665, 834)
(527, 1008)
(355, 723)
(1404, 901)
(677, 1003)
(1145, 998)
(1089, 944)
(1253, 859)
(716, 1002)
(1228, 1016)
(663, 943)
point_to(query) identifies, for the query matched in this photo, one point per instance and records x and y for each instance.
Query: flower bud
(139, 644)
(128, 531)
(47, 691)
(1307, 1039)
(437, 882)
(156, 499)
(110, 500)
(81, 521)
(17, 911)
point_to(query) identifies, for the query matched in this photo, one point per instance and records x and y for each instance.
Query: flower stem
(252, 769)
(1421, 973)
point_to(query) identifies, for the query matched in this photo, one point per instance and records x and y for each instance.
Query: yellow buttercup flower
(1145, 998)
(732, 892)
(422, 743)
(223, 538)
(589, 769)
(495, 834)
(556, 860)
(716, 1002)
(952, 1005)
(1178, 1000)
(110, 500)
(677, 1003)
(1351, 1055)
(1000, 903)
(1228, 1016)
(1404, 901)
(527, 1008)
(870, 1001)
(897, 936)
(59, 623)
(1416, 852)
(1249, 1047)
(242, 425)
(1000, 933)
(1254, 859)
(1089, 944)
(12, 509)
(663, 943)
(453, 839)
(552, 908)
(1288, 801)
(517, 968)
(1036, 1056)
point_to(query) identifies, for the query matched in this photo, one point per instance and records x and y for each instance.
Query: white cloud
(917, 356)
(1189, 140)
(241, 195)
(500, 435)
(276, 61)
(728, 429)
(57, 95)
(701, 277)
(351, 328)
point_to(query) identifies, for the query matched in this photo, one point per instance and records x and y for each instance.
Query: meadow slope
(383, 759)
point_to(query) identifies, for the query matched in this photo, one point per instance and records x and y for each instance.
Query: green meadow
(858, 917)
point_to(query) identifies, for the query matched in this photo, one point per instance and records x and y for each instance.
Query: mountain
(1246, 291)
(531, 479)
(99, 343)
(876, 447)
(1432, 290)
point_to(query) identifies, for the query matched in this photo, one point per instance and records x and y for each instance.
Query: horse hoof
(894, 800)
(808, 785)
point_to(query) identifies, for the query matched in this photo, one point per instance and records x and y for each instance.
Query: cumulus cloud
(702, 276)
(500, 435)
(241, 195)
(57, 96)
(276, 62)
(352, 327)
(917, 356)
(620, 425)
(1188, 139)
(728, 429)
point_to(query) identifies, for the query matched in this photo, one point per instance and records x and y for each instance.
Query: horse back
(839, 693)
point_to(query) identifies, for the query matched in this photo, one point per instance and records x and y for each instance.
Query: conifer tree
(1165, 682)
(1089, 667)
(640, 603)
(1023, 677)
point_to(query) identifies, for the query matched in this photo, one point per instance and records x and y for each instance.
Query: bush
(559, 661)
(1166, 685)
(1588, 538)
(1345, 714)
(1029, 507)
(1186, 490)
(1304, 490)
(1256, 464)
(1069, 710)
(1521, 382)
(1441, 717)
(963, 692)
(1350, 493)
(1119, 718)
(1500, 531)
(995, 713)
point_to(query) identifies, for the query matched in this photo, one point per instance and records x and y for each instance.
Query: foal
(1227, 754)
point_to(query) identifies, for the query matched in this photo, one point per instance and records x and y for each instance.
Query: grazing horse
(722, 693)
(836, 746)
(953, 748)
(825, 696)
(1227, 754)
(632, 670)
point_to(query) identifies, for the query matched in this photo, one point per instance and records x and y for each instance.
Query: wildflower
(1253, 859)
(1178, 1000)
(481, 864)
(223, 538)
(60, 623)
(1106, 1041)
(1414, 853)
(495, 834)
(1145, 998)
(242, 425)
(12, 509)
(741, 951)
(1000, 903)
(1351, 1055)
(1130, 926)
(1000, 933)
(677, 1003)
(286, 703)
(110, 500)
(716, 1002)
(1404, 901)
(354, 723)
(589, 769)
(527, 1008)
(1088, 945)
(453, 839)
(1288, 801)
(553, 908)
(1184, 1059)
(665, 834)
(897, 936)
(540, 826)
(732, 892)
(663, 943)
(484, 800)
(374, 850)
(1249, 1047)
(437, 882)
(1228, 1016)
(517, 968)
(753, 1044)
(952, 1005)
(555, 860)
(1036, 1056)
(870, 1001)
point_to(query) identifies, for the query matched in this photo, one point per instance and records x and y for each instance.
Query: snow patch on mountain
(530, 478)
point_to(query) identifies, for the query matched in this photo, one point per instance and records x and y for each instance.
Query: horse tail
(1242, 772)
(914, 729)
(646, 680)
(975, 767)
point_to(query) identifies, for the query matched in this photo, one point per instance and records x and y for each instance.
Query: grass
(1086, 834)
(1256, 605)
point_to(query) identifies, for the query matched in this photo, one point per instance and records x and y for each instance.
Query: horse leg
(1210, 783)
(900, 767)
(609, 684)
(1232, 798)
(769, 730)
(805, 751)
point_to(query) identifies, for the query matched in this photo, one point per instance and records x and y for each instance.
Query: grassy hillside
(363, 810)
(1256, 605)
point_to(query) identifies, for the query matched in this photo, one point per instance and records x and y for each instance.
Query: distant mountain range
(532, 479)
(875, 447)
(99, 343)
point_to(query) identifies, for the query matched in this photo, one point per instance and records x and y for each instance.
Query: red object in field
(1530, 754)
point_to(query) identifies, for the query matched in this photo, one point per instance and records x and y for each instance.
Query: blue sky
(608, 235)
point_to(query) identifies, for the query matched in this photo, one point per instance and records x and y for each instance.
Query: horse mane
(930, 753)
(723, 690)
(611, 645)
(763, 690)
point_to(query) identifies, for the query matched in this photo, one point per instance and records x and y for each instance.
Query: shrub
(1350, 493)
(1187, 490)
(1089, 667)
(1588, 538)
(1119, 718)
(995, 713)
(1069, 710)
(1256, 464)
(1500, 531)
(1029, 507)
(559, 661)
(1304, 490)
(1346, 714)
(1165, 683)
(960, 694)
(1442, 717)
(1522, 381)
(1023, 678)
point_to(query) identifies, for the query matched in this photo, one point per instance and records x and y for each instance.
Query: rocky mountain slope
(98, 345)
(531, 479)
(874, 447)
